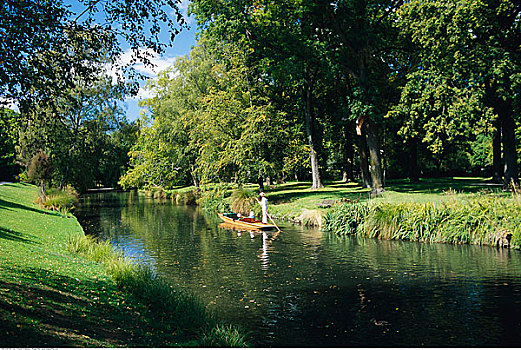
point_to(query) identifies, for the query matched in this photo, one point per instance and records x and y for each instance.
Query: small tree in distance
(39, 171)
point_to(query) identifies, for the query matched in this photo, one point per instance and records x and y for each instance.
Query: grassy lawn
(50, 297)
(289, 200)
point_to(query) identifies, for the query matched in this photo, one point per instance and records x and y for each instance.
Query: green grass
(292, 199)
(61, 289)
(482, 218)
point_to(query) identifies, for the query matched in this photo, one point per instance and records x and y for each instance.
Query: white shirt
(264, 203)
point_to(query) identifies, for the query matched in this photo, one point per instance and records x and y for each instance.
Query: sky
(181, 46)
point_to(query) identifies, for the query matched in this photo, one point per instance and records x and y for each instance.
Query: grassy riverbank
(57, 289)
(449, 210)
(292, 201)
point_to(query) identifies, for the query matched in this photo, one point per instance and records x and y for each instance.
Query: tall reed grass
(484, 219)
(170, 310)
(61, 200)
(243, 200)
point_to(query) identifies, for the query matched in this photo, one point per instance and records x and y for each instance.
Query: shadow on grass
(13, 236)
(43, 308)
(6, 205)
(300, 190)
(353, 191)
(440, 185)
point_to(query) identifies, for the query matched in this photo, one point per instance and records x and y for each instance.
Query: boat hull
(246, 223)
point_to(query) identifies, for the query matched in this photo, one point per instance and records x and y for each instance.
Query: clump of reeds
(61, 200)
(346, 218)
(92, 249)
(223, 336)
(311, 218)
(243, 200)
(484, 219)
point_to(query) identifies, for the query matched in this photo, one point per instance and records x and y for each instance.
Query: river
(307, 288)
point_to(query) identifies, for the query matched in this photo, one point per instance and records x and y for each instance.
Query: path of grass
(50, 297)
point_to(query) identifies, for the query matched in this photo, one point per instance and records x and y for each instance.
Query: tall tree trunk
(364, 164)
(373, 145)
(413, 160)
(497, 166)
(308, 114)
(347, 171)
(260, 182)
(509, 143)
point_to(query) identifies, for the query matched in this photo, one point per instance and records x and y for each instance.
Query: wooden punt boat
(245, 223)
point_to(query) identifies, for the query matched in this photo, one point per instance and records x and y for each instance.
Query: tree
(40, 170)
(475, 45)
(8, 140)
(210, 123)
(282, 45)
(74, 131)
(362, 40)
(37, 37)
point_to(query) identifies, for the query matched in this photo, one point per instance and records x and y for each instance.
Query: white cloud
(183, 7)
(158, 63)
(9, 103)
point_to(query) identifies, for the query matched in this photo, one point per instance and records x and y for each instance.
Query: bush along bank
(483, 219)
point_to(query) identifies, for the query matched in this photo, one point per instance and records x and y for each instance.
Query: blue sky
(181, 46)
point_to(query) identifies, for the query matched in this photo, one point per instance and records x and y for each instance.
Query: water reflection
(308, 288)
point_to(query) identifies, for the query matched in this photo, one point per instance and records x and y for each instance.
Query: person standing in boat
(264, 206)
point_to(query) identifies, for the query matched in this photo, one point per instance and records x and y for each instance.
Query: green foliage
(243, 200)
(9, 125)
(210, 123)
(467, 53)
(484, 219)
(63, 201)
(215, 200)
(346, 219)
(47, 45)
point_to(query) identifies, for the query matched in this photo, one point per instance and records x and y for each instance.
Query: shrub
(311, 218)
(63, 201)
(243, 200)
(214, 200)
(40, 171)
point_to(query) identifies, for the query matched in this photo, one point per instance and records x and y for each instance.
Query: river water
(308, 288)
